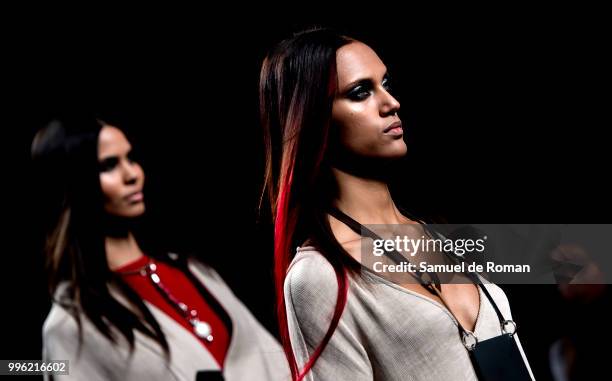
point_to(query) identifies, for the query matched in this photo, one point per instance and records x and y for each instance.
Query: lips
(393, 128)
(134, 196)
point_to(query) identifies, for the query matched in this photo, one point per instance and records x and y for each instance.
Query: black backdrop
(503, 119)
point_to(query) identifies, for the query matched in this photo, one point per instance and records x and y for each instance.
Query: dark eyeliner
(108, 164)
(387, 84)
(360, 91)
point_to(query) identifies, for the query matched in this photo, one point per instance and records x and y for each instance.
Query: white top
(253, 354)
(386, 331)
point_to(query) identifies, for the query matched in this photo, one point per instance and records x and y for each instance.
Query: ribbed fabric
(386, 331)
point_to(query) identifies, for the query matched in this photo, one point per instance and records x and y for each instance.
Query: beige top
(253, 353)
(386, 332)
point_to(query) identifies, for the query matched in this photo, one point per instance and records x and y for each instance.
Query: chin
(396, 152)
(135, 211)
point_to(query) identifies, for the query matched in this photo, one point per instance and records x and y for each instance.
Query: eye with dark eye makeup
(132, 157)
(108, 164)
(364, 88)
(360, 91)
(386, 84)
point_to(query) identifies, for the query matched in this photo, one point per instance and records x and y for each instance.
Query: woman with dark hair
(332, 131)
(120, 312)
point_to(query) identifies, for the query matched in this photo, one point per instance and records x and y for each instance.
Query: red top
(184, 291)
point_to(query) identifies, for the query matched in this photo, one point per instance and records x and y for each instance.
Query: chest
(461, 300)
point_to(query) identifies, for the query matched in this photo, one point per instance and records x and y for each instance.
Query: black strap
(472, 276)
(497, 311)
(398, 258)
(391, 254)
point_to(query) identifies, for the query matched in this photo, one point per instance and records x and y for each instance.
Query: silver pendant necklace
(202, 329)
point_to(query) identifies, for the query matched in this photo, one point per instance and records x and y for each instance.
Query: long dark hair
(297, 87)
(66, 156)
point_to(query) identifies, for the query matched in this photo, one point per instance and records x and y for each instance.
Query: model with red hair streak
(332, 131)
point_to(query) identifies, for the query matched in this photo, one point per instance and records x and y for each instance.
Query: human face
(364, 111)
(121, 178)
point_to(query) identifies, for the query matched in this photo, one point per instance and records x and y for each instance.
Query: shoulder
(310, 278)
(308, 267)
(214, 284)
(204, 272)
(62, 337)
(59, 321)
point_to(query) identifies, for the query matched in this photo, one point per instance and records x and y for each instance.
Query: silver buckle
(469, 340)
(507, 323)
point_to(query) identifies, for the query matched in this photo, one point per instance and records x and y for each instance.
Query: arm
(310, 296)
(61, 342)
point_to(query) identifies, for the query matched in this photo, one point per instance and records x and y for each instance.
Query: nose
(130, 173)
(389, 105)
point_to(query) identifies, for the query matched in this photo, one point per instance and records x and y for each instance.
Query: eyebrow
(362, 81)
(114, 156)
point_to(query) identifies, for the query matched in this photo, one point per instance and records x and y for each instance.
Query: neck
(367, 200)
(121, 250)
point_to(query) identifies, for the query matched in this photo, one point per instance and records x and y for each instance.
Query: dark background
(503, 116)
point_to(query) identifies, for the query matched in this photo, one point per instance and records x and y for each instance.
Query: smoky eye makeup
(108, 164)
(387, 84)
(132, 156)
(360, 91)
